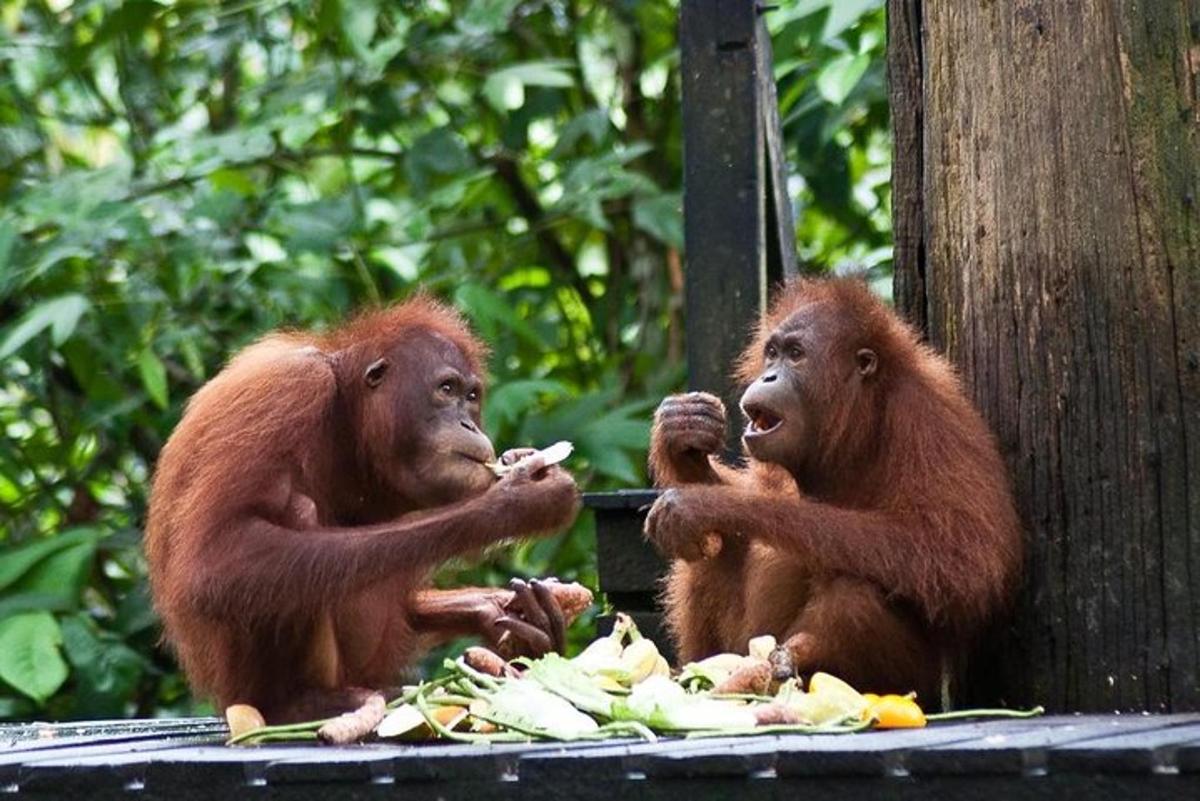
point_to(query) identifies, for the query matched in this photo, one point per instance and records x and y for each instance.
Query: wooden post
(737, 217)
(1046, 189)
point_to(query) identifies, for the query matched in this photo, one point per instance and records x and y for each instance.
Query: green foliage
(829, 65)
(178, 178)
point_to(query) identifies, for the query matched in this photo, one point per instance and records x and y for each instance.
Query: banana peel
(604, 653)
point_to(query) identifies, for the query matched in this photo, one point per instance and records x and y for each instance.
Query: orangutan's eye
(795, 353)
(473, 396)
(772, 352)
(446, 388)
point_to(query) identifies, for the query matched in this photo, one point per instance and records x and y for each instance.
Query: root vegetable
(353, 726)
(753, 676)
(775, 715)
(487, 661)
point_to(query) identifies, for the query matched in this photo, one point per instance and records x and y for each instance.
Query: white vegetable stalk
(552, 454)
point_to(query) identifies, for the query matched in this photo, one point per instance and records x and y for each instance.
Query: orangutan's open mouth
(762, 421)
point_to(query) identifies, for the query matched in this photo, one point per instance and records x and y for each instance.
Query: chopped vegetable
(353, 726)
(662, 704)
(531, 709)
(761, 647)
(243, 718)
(752, 676)
(896, 712)
(407, 722)
(487, 661)
(620, 686)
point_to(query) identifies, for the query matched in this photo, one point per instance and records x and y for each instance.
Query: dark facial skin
(784, 405)
(424, 400)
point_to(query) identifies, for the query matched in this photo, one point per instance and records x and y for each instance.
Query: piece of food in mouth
(552, 454)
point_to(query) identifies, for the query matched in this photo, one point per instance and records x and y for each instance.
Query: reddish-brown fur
(289, 552)
(885, 549)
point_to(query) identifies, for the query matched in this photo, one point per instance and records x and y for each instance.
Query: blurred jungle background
(178, 177)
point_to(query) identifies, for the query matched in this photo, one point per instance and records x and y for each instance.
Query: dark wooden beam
(737, 217)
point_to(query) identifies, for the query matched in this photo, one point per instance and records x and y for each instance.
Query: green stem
(742, 697)
(964, 714)
(627, 727)
(488, 682)
(410, 692)
(279, 732)
(462, 737)
(289, 737)
(449, 700)
(783, 728)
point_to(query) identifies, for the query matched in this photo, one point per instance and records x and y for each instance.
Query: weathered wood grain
(1059, 174)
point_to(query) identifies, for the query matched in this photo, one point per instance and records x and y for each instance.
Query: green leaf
(16, 708)
(509, 401)
(485, 16)
(661, 216)
(15, 603)
(593, 124)
(60, 314)
(8, 239)
(318, 226)
(839, 77)
(439, 152)
(154, 377)
(106, 670)
(505, 88)
(17, 562)
(613, 463)
(359, 21)
(842, 14)
(60, 575)
(493, 313)
(29, 654)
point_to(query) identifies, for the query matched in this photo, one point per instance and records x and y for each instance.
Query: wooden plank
(878, 753)
(1024, 751)
(42, 736)
(1139, 752)
(1187, 758)
(723, 198)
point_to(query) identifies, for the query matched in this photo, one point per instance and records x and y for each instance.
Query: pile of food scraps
(619, 686)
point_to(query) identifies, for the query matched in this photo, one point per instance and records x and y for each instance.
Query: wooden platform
(1088, 757)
